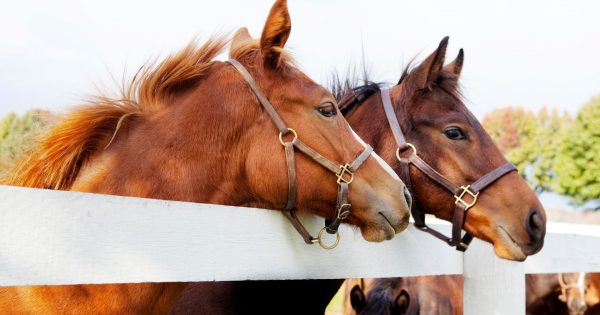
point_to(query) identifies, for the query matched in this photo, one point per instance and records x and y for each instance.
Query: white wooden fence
(53, 237)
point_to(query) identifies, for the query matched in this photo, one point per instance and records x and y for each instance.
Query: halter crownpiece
(465, 196)
(344, 173)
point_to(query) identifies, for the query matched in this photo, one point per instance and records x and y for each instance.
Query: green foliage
(528, 140)
(577, 165)
(16, 134)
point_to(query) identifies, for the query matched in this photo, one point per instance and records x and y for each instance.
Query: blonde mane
(59, 155)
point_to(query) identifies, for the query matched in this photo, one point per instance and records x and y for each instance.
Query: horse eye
(327, 110)
(454, 133)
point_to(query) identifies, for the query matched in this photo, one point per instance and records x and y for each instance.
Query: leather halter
(344, 173)
(460, 192)
(565, 287)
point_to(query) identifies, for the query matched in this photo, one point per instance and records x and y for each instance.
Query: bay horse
(442, 152)
(193, 129)
(434, 295)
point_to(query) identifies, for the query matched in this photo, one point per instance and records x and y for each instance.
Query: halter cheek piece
(565, 287)
(465, 196)
(344, 173)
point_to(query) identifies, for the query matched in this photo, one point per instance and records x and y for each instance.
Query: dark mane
(353, 90)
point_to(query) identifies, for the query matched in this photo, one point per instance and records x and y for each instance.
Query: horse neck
(376, 134)
(186, 151)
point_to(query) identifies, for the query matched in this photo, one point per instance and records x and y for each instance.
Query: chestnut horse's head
(378, 198)
(190, 128)
(447, 136)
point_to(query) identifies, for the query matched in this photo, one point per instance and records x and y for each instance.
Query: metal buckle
(344, 169)
(465, 190)
(319, 240)
(344, 212)
(281, 134)
(408, 146)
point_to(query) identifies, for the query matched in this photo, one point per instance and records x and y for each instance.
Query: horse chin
(378, 233)
(386, 226)
(505, 246)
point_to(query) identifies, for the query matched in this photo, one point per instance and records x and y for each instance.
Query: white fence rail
(53, 237)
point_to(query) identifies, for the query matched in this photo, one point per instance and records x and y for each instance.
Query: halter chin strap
(465, 196)
(344, 173)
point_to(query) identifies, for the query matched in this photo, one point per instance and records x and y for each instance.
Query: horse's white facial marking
(581, 283)
(377, 158)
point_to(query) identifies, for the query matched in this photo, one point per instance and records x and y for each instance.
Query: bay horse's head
(447, 136)
(382, 297)
(408, 295)
(378, 198)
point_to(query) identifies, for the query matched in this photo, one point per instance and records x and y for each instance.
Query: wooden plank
(492, 285)
(567, 248)
(54, 237)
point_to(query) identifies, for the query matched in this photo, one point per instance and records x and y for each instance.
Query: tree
(577, 165)
(551, 130)
(529, 141)
(514, 130)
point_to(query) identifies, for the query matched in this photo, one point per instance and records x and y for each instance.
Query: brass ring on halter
(281, 134)
(325, 246)
(408, 145)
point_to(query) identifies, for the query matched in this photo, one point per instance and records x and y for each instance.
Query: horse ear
(429, 70)
(401, 303)
(456, 65)
(275, 33)
(357, 298)
(239, 39)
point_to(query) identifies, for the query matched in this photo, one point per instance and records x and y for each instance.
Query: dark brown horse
(445, 135)
(191, 129)
(433, 295)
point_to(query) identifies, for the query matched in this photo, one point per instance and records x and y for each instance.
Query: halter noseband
(344, 173)
(461, 193)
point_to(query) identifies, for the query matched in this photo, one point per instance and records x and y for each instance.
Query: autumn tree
(529, 141)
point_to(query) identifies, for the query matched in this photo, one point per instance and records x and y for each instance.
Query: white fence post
(492, 285)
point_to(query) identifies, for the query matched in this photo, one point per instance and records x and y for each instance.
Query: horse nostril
(535, 225)
(408, 197)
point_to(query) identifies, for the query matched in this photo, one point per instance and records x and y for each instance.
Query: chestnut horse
(434, 295)
(191, 129)
(444, 134)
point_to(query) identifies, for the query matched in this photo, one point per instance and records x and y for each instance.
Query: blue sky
(528, 53)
